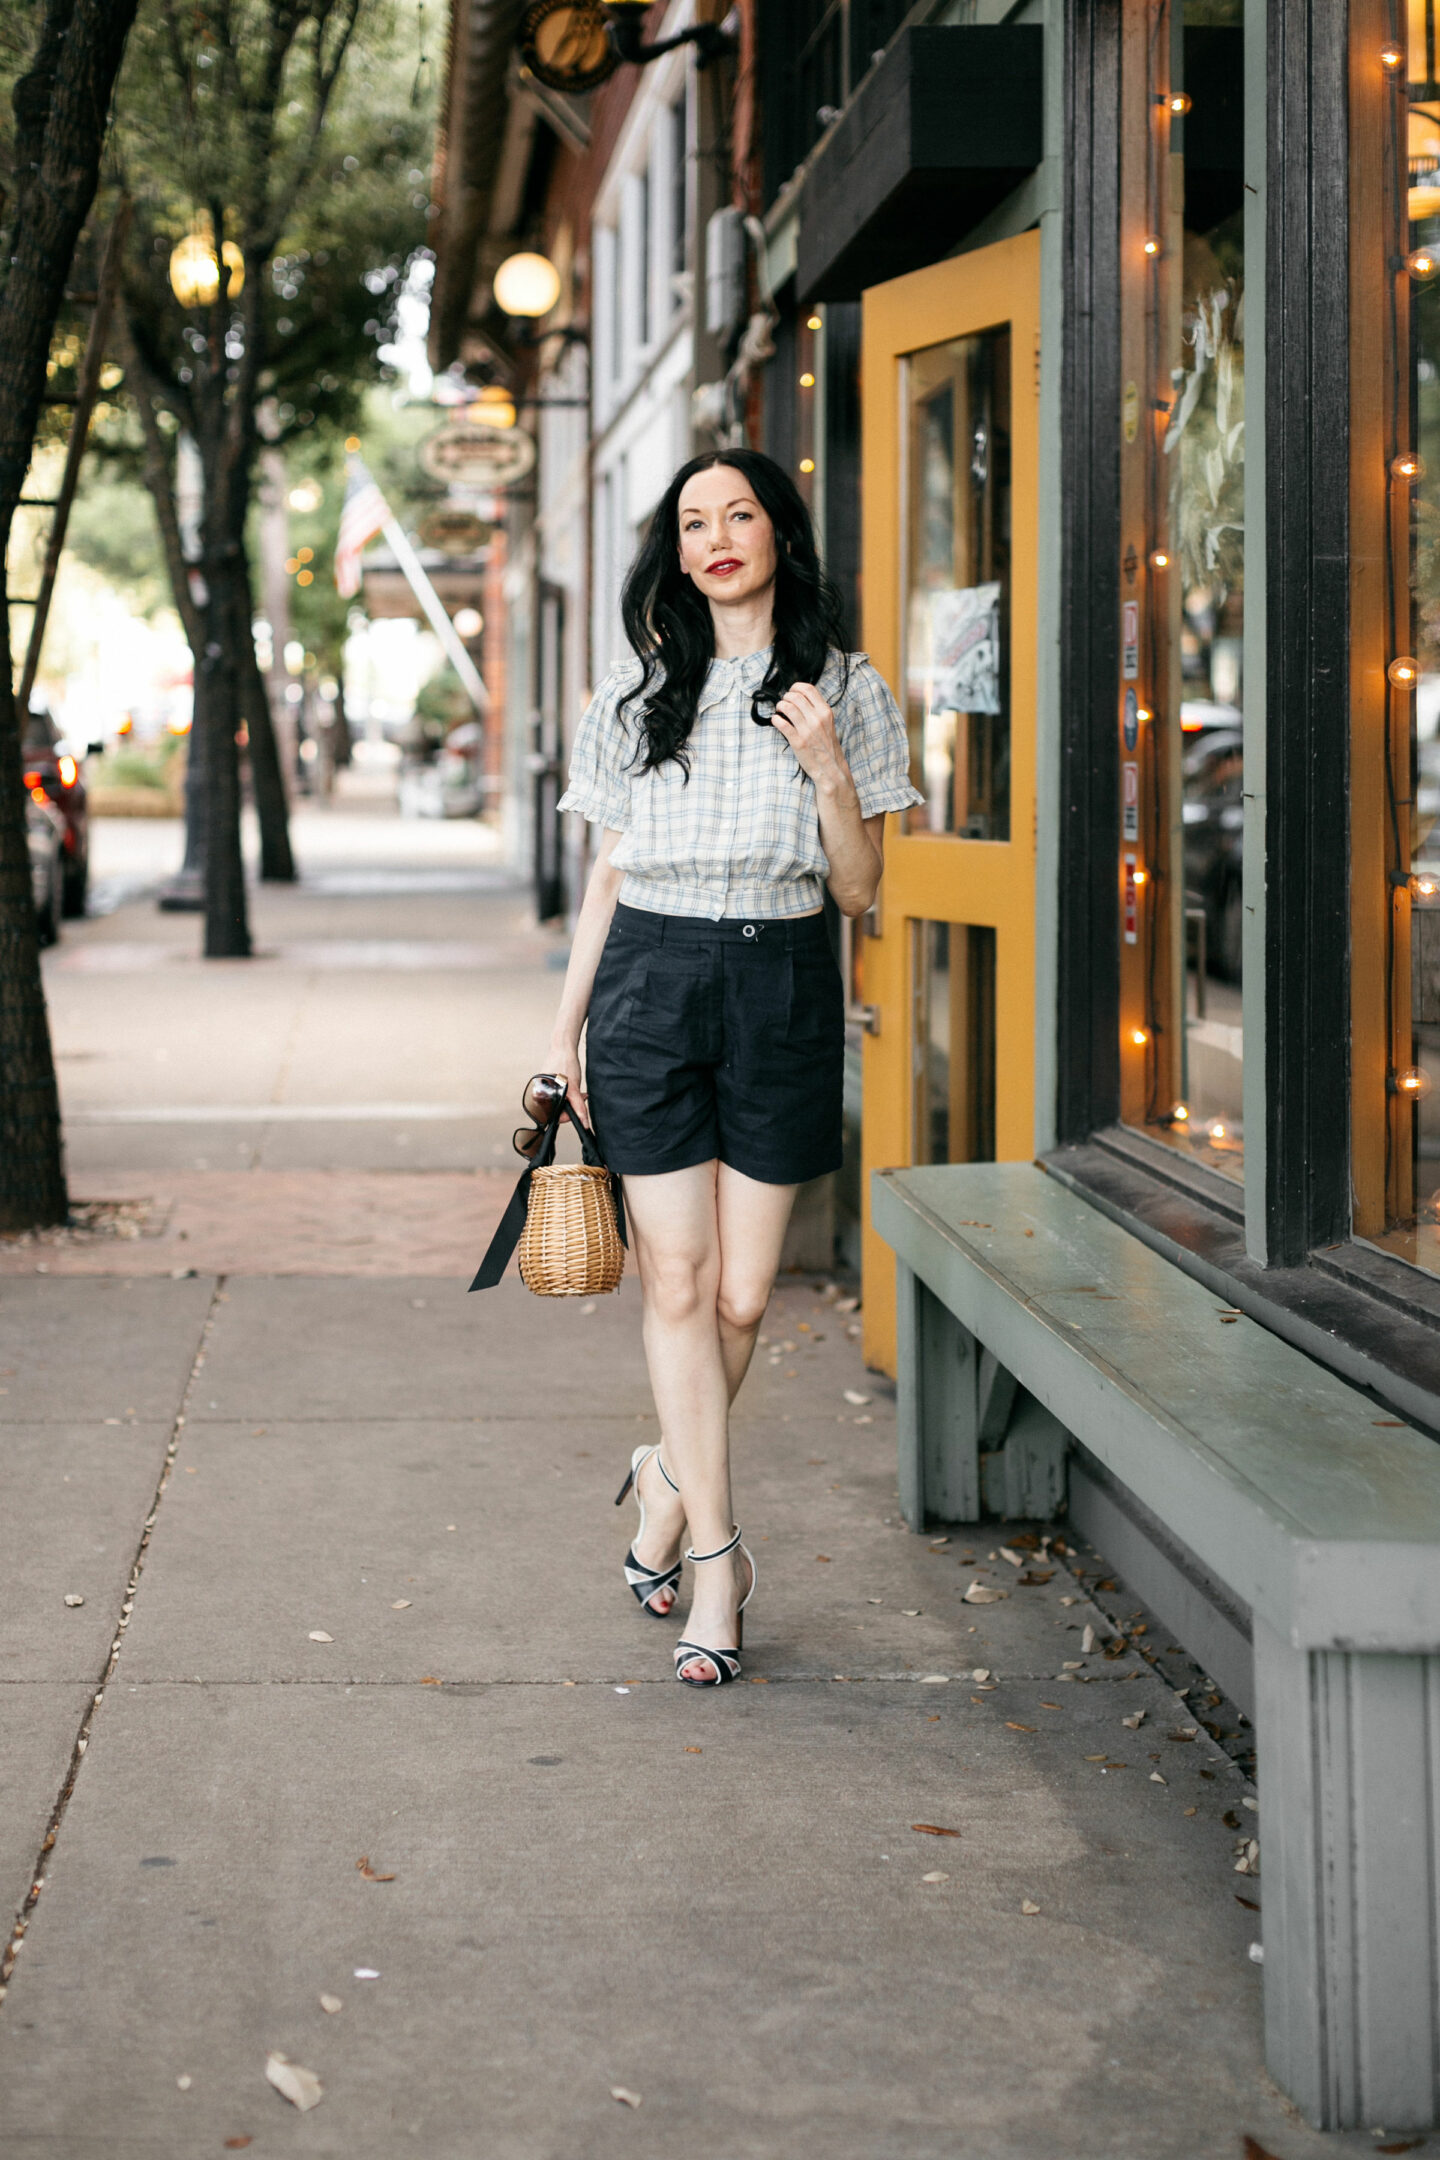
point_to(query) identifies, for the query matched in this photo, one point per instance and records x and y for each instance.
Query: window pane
(1182, 697)
(953, 1042)
(957, 585)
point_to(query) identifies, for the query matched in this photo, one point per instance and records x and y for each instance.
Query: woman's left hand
(808, 725)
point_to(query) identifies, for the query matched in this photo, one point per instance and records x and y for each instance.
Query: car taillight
(69, 772)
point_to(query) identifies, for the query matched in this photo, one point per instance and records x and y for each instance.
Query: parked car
(1213, 810)
(45, 833)
(56, 766)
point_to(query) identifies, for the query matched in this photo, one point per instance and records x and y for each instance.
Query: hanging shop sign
(1130, 723)
(478, 457)
(1131, 912)
(1130, 800)
(454, 531)
(1130, 638)
(564, 45)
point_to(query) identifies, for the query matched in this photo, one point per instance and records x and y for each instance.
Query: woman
(736, 763)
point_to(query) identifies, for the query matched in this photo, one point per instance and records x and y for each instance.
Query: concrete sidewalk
(351, 1591)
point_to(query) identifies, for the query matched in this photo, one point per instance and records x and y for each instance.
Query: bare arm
(854, 845)
(591, 930)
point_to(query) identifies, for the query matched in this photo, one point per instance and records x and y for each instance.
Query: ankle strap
(698, 1559)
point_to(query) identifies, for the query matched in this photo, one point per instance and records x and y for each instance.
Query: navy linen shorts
(717, 1041)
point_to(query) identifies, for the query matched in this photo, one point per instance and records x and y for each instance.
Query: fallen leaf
(932, 1829)
(1156, 1779)
(968, 1222)
(623, 2094)
(847, 1304)
(1230, 1819)
(1087, 1642)
(299, 2086)
(400, 1604)
(822, 1556)
(1027, 1907)
(331, 2005)
(1247, 1902)
(366, 1972)
(1095, 1758)
(1134, 1721)
(934, 1679)
(237, 2144)
(1069, 1601)
(363, 1864)
(319, 1635)
(853, 1395)
(1015, 1559)
(980, 1593)
(1011, 1726)
(936, 1875)
(981, 1672)
(759, 1679)
(1036, 1576)
(1254, 2150)
(874, 1601)
(1192, 1811)
(429, 1680)
(910, 1612)
(184, 2081)
(1409, 2145)
(1049, 1706)
(73, 1597)
(937, 1542)
(694, 1751)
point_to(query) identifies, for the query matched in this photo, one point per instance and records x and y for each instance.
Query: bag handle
(512, 1222)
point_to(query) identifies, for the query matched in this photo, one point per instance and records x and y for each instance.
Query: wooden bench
(1316, 1511)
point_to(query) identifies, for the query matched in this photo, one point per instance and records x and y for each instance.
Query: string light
(1178, 102)
(1414, 1081)
(1408, 466)
(1160, 560)
(1392, 56)
(1424, 885)
(1423, 264)
(1151, 244)
(1139, 1037)
(1143, 713)
(1141, 877)
(1403, 671)
(1180, 1115)
(807, 464)
(813, 322)
(807, 382)
(1218, 1132)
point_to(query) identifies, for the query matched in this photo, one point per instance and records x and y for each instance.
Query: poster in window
(965, 649)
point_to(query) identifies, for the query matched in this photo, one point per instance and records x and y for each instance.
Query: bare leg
(708, 1242)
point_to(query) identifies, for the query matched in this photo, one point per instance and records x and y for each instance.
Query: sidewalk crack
(112, 1659)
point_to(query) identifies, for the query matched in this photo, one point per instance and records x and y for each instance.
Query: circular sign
(565, 46)
(453, 531)
(478, 457)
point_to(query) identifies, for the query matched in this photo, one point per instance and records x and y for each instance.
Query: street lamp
(195, 274)
(526, 284)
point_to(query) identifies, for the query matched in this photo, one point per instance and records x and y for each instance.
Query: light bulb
(1408, 466)
(1217, 1131)
(1151, 244)
(1413, 1081)
(526, 284)
(1392, 56)
(807, 381)
(1139, 1037)
(1142, 877)
(813, 322)
(1423, 264)
(807, 464)
(1424, 885)
(1179, 102)
(1403, 671)
(1160, 560)
(1143, 712)
(352, 442)
(1180, 1115)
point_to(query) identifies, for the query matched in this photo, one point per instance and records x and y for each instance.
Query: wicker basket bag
(568, 1220)
(570, 1246)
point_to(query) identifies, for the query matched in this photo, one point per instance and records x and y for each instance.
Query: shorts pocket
(619, 987)
(817, 1005)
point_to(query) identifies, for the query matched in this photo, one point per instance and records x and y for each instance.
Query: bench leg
(1350, 1853)
(938, 1409)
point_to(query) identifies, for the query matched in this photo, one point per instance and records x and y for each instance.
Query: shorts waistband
(786, 932)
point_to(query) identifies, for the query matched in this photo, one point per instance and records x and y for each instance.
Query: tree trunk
(227, 927)
(277, 861)
(61, 107)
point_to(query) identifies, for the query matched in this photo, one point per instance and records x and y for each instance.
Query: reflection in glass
(953, 1042)
(957, 585)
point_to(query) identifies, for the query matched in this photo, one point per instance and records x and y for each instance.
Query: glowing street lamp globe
(526, 284)
(195, 274)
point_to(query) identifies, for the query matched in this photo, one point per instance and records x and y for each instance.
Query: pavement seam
(112, 1657)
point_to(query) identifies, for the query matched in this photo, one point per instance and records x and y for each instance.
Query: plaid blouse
(741, 834)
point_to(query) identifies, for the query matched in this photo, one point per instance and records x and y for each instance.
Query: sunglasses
(542, 1101)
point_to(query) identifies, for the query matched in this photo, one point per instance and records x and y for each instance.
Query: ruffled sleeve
(600, 763)
(873, 737)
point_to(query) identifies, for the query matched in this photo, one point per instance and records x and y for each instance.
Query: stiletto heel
(647, 1582)
(726, 1663)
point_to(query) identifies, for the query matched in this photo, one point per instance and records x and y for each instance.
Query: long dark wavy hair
(668, 621)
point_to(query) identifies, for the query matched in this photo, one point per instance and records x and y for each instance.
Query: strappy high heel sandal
(726, 1663)
(647, 1582)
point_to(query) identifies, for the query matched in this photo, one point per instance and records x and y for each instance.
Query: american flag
(363, 514)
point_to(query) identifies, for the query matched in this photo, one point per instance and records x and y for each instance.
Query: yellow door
(947, 962)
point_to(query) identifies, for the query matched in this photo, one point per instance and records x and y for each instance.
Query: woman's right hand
(564, 1060)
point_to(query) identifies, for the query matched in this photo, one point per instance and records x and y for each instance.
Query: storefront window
(953, 974)
(1181, 694)
(957, 585)
(1396, 695)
